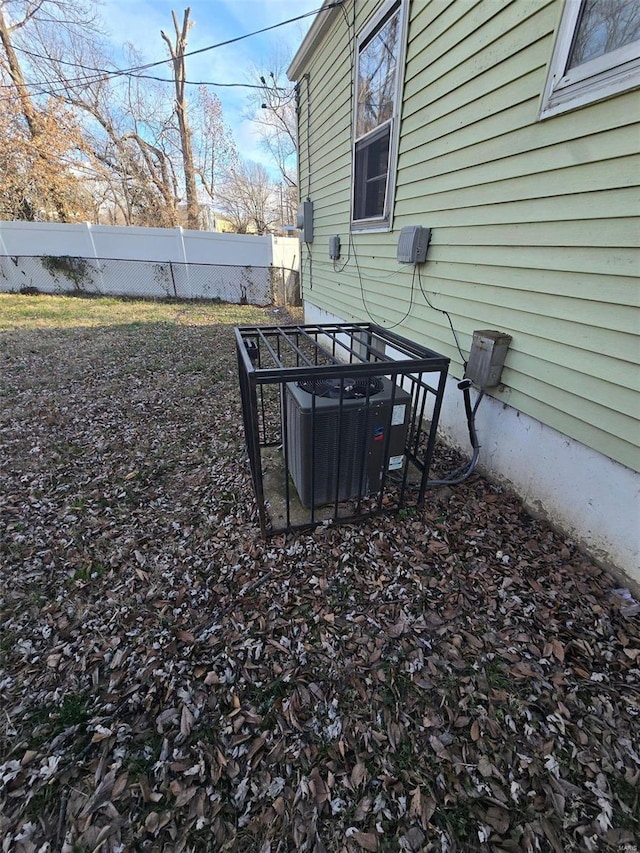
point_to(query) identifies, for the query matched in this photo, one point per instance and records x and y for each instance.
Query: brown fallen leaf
(485, 767)
(317, 787)
(498, 818)
(558, 650)
(362, 809)
(365, 840)
(186, 721)
(101, 795)
(358, 774)
(152, 821)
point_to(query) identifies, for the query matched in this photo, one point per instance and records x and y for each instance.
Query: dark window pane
(604, 25)
(371, 169)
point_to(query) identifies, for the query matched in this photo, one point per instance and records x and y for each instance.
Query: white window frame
(607, 75)
(384, 222)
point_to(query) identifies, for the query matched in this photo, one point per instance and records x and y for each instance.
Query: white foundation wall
(589, 497)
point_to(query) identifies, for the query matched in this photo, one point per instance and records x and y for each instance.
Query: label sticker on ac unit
(397, 417)
(395, 462)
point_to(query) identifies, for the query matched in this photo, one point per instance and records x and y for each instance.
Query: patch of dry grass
(66, 312)
(458, 678)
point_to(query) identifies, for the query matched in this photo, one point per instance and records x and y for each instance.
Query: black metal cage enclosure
(340, 420)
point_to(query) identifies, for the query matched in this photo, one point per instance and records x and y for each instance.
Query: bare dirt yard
(457, 679)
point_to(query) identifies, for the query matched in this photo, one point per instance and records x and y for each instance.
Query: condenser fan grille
(348, 387)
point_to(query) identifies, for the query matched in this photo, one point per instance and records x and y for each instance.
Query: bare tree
(132, 141)
(14, 70)
(40, 149)
(38, 171)
(215, 151)
(247, 199)
(177, 52)
(273, 110)
(139, 151)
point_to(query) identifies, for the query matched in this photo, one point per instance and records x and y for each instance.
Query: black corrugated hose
(463, 472)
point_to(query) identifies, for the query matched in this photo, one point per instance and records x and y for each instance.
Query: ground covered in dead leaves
(457, 679)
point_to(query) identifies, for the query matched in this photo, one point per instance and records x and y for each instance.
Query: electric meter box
(304, 221)
(486, 359)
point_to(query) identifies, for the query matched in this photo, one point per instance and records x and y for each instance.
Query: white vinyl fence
(147, 262)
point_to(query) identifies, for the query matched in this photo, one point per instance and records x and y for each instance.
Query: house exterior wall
(534, 224)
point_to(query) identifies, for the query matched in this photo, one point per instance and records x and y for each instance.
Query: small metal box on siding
(413, 244)
(486, 359)
(304, 221)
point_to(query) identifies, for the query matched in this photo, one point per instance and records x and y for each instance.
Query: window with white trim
(380, 52)
(596, 55)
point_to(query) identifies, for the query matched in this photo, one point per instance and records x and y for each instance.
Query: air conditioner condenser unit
(342, 434)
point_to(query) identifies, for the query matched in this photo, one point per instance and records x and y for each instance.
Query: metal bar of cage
(317, 458)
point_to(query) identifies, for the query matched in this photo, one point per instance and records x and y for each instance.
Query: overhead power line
(99, 74)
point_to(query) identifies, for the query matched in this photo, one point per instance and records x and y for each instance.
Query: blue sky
(214, 21)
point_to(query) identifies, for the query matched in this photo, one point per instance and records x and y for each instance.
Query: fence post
(173, 279)
(3, 248)
(189, 292)
(4, 254)
(95, 257)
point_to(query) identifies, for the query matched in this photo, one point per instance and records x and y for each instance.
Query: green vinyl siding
(535, 226)
(587, 259)
(564, 208)
(447, 193)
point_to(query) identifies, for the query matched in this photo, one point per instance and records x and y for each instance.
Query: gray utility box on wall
(304, 221)
(486, 359)
(413, 244)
